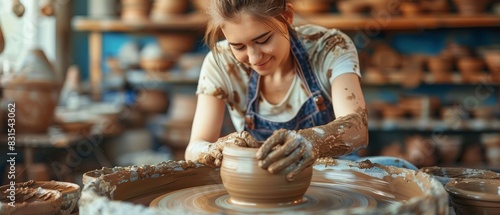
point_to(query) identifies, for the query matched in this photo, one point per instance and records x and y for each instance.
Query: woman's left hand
(286, 148)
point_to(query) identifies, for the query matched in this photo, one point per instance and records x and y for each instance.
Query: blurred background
(104, 83)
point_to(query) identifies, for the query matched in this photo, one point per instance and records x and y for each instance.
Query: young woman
(296, 89)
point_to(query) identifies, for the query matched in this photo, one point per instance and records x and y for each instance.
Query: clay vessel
(135, 10)
(311, 6)
(470, 68)
(474, 196)
(164, 9)
(471, 7)
(31, 201)
(176, 44)
(247, 183)
(70, 192)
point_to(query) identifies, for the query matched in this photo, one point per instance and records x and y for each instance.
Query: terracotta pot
(311, 6)
(35, 104)
(152, 101)
(441, 69)
(135, 10)
(470, 68)
(492, 59)
(247, 183)
(471, 7)
(176, 44)
(350, 8)
(70, 192)
(474, 196)
(164, 9)
(435, 6)
(410, 8)
(31, 201)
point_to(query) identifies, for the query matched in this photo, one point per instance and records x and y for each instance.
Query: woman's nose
(254, 56)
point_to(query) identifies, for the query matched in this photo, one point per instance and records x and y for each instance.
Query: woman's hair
(270, 12)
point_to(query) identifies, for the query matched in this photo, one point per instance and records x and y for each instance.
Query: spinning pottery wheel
(337, 187)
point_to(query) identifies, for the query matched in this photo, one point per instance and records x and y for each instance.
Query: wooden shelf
(190, 22)
(371, 23)
(193, 22)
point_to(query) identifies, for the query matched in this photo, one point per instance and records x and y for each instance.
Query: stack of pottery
(164, 9)
(410, 8)
(435, 6)
(135, 10)
(35, 89)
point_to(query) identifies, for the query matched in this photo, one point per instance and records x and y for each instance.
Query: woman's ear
(289, 12)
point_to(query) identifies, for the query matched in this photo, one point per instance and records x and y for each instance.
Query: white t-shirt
(331, 53)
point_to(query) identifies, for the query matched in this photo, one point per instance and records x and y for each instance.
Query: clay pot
(35, 104)
(471, 7)
(391, 112)
(164, 9)
(311, 6)
(410, 8)
(176, 44)
(247, 183)
(470, 68)
(474, 196)
(31, 201)
(351, 8)
(385, 57)
(440, 68)
(435, 6)
(492, 59)
(135, 10)
(76, 127)
(420, 151)
(152, 101)
(70, 192)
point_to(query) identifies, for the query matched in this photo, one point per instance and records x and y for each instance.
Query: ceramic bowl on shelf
(474, 196)
(471, 7)
(470, 68)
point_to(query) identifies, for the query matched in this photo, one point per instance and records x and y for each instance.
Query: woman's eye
(238, 48)
(265, 41)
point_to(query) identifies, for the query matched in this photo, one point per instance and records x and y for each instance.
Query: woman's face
(252, 42)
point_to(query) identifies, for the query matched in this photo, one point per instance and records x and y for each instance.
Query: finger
(287, 161)
(218, 162)
(300, 167)
(270, 143)
(208, 160)
(280, 153)
(249, 139)
(217, 154)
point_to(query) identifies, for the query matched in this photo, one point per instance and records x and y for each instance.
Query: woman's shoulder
(310, 32)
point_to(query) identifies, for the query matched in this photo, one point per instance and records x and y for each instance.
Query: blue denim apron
(317, 110)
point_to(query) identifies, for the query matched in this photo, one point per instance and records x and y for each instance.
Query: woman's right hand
(213, 157)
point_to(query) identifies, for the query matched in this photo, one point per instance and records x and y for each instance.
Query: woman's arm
(346, 134)
(207, 125)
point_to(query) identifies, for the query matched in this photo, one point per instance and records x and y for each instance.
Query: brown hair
(267, 11)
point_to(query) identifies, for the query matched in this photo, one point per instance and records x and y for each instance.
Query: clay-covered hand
(213, 156)
(286, 148)
(300, 149)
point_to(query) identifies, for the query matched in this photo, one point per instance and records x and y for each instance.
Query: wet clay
(446, 174)
(474, 196)
(337, 187)
(31, 201)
